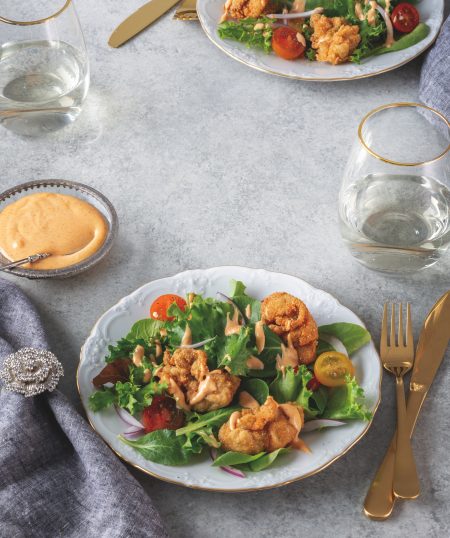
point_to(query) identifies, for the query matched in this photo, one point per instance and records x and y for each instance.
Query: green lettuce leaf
(286, 386)
(235, 458)
(347, 403)
(241, 298)
(101, 399)
(161, 446)
(266, 460)
(197, 421)
(257, 388)
(145, 329)
(352, 336)
(269, 354)
(236, 351)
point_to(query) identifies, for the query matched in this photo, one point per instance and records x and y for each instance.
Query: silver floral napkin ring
(31, 371)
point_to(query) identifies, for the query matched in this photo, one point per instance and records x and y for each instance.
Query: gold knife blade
(139, 20)
(433, 342)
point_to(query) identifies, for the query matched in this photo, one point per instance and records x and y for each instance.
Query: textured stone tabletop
(211, 163)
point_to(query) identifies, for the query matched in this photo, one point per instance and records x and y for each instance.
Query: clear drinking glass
(44, 69)
(394, 203)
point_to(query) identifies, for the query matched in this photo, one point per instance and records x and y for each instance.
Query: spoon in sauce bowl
(23, 261)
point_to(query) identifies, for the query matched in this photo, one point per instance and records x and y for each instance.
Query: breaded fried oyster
(241, 9)
(334, 39)
(289, 317)
(191, 383)
(266, 428)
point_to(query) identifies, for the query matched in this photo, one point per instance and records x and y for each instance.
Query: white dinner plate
(210, 11)
(326, 446)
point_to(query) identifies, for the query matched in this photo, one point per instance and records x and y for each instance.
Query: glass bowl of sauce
(71, 221)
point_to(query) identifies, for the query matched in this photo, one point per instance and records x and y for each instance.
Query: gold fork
(186, 11)
(397, 358)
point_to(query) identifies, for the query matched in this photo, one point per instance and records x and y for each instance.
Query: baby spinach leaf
(266, 460)
(352, 336)
(257, 388)
(286, 386)
(235, 458)
(161, 446)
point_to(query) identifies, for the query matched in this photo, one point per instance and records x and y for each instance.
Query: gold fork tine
(383, 337)
(392, 337)
(409, 330)
(400, 326)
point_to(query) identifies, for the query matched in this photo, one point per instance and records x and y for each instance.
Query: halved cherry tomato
(162, 414)
(286, 44)
(331, 368)
(159, 307)
(405, 18)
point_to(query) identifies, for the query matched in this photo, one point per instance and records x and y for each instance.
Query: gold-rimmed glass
(44, 69)
(394, 203)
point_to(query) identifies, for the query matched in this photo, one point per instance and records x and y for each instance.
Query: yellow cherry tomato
(331, 368)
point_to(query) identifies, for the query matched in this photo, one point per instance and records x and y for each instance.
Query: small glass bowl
(84, 192)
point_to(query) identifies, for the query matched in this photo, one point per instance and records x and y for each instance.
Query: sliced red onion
(127, 418)
(226, 468)
(302, 15)
(390, 30)
(313, 425)
(133, 435)
(194, 346)
(229, 300)
(233, 471)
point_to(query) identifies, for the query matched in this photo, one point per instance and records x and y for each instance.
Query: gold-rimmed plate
(210, 11)
(326, 446)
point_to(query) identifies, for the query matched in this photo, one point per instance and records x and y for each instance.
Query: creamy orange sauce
(292, 413)
(205, 387)
(66, 227)
(254, 363)
(289, 355)
(232, 326)
(260, 337)
(371, 14)
(138, 355)
(178, 394)
(247, 400)
(234, 417)
(187, 336)
(248, 311)
(299, 444)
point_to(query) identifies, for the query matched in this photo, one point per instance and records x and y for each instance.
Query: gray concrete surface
(211, 163)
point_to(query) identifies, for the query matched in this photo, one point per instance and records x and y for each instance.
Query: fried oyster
(265, 428)
(191, 383)
(333, 38)
(242, 9)
(288, 317)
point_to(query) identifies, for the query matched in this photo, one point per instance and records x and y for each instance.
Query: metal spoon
(30, 259)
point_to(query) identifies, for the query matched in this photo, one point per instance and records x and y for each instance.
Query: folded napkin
(57, 478)
(434, 88)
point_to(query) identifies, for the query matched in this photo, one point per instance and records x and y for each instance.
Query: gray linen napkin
(57, 478)
(434, 88)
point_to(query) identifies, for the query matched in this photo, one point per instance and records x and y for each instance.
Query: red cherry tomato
(286, 44)
(313, 384)
(159, 307)
(405, 18)
(162, 414)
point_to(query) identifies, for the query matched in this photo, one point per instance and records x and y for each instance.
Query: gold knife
(430, 351)
(139, 20)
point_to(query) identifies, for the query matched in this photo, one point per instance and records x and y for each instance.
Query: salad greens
(135, 386)
(244, 31)
(257, 32)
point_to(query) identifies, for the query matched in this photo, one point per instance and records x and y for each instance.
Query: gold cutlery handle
(380, 499)
(406, 481)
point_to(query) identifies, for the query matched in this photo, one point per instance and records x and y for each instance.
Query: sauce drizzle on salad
(232, 326)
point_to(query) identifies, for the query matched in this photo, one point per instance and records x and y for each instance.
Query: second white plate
(210, 11)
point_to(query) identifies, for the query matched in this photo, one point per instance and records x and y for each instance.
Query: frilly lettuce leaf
(347, 403)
